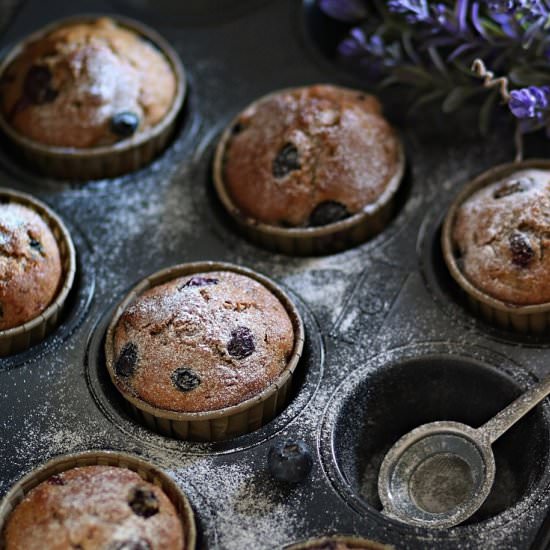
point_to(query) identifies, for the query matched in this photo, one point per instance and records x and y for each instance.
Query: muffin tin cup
(307, 241)
(103, 458)
(110, 160)
(24, 336)
(222, 423)
(350, 542)
(529, 319)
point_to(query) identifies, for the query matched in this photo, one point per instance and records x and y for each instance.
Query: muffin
(30, 265)
(96, 499)
(37, 270)
(94, 507)
(310, 158)
(339, 543)
(89, 87)
(495, 240)
(194, 344)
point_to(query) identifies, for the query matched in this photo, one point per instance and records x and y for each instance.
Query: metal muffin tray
(390, 343)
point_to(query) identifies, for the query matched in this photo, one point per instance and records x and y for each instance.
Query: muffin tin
(390, 342)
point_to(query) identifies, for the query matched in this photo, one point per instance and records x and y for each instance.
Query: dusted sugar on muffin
(95, 507)
(310, 157)
(501, 236)
(30, 265)
(202, 342)
(87, 84)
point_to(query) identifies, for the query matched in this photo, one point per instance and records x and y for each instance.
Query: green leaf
(409, 74)
(457, 97)
(486, 112)
(425, 99)
(437, 61)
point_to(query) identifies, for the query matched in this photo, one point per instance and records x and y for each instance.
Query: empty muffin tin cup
(106, 161)
(304, 241)
(147, 471)
(224, 423)
(24, 336)
(528, 319)
(328, 543)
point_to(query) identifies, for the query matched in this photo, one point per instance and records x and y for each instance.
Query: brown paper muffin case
(106, 161)
(223, 423)
(147, 471)
(531, 319)
(303, 241)
(24, 336)
(352, 542)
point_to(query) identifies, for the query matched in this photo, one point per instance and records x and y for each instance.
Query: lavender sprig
(429, 47)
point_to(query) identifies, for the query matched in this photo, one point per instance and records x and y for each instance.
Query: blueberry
(241, 343)
(290, 461)
(143, 502)
(124, 124)
(36, 245)
(56, 479)
(200, 281)
(286, 161)
(127, 360)
(520, 246)
(237, 128)
(37, 85)
(132, 544)
(328, 212)
(513, 186)
(185, 379)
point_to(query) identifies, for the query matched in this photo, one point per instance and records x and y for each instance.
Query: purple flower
(530, 103)
(415, 11)
(501, 6)
(347, 11)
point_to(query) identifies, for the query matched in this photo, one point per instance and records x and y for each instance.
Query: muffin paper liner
(529, 319)
(224, 423)
(110, 160)
(307, 241)
(147, 471)
(352, 542)
(24, 336)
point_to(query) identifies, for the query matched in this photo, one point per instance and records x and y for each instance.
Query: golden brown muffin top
(30, 265)
(309, 156)
(95, 507)
(202, 342)
(502, 237)
(87, 84)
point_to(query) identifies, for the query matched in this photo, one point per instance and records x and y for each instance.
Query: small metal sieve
(439, 474)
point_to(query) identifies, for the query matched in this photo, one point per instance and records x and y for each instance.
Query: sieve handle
(516, 410)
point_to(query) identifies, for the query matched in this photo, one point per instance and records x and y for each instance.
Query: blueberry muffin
(309, 157)
(340, 543)
(95, 507)
(501, 238)
(201, 342)
(30, 265)
(87, 84)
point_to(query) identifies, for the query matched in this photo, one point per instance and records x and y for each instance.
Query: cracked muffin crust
(310, 156)
(501, 238)
(340, 543)
(30, 265)
(202, 342)
(96, 506)
(87, 84)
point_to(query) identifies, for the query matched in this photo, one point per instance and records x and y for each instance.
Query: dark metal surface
(391, 345)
